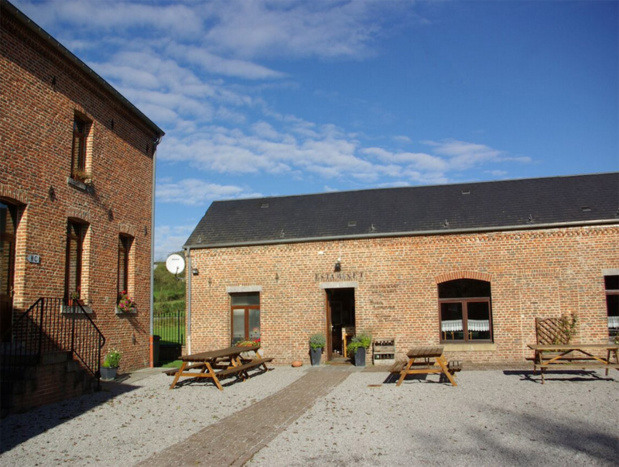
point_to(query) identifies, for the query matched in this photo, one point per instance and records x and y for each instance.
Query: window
(611, 283)
(78, 156)
(73, 275)
(245, 316)
(124, 246)
(465, 312)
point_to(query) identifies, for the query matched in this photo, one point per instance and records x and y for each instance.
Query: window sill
(67, 310)
(78, 184)
(119, 312)
(467, 347)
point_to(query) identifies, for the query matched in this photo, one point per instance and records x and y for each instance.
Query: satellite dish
(175, 264)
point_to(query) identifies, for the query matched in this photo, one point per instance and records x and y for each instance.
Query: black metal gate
(170, 327)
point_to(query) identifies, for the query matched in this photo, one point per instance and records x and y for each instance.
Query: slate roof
(417, 210)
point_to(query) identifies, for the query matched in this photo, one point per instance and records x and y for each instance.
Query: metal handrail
(50, 325)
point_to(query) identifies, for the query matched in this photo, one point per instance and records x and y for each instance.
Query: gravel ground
(492, 418)
(127, 423)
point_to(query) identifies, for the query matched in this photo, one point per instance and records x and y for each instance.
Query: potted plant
(74, 298)
(110, 365)
(82, 175)
(357, 348)
(125, 303)
(317, 342)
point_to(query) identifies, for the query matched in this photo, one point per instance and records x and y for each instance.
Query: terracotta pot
(297, 363)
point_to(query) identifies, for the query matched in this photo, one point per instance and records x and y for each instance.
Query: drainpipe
(152, 254)
(188, 274)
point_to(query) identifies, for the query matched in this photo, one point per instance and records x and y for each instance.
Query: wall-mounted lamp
(195, 271)
(52, 193)
(338, 266)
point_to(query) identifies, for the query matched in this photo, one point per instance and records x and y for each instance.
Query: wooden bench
(242, 370)
(453, 366)
(432, 361)
(172, 371)
(581, 356)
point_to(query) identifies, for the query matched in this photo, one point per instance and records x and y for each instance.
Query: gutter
(420, 233)
(152, 255)
(188, 300)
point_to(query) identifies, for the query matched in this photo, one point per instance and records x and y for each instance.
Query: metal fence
(170, 327)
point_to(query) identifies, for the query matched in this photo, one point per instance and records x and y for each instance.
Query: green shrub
(318, 341)
(361, 340)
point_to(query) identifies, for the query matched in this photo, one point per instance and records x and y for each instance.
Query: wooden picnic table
(425, 360)
(582, 356)
(216, 364)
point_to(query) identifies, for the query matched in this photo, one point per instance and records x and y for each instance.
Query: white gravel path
(491, 418)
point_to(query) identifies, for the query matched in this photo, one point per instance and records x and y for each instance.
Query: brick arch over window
(13, 195)
(451, 276)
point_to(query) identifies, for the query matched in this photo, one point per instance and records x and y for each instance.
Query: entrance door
(340, 316)
(8, 223)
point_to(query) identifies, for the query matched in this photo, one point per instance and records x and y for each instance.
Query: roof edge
(49, 39)
(511, 228)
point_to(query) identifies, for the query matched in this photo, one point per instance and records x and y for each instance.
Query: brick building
(469, 266)
(76, 189)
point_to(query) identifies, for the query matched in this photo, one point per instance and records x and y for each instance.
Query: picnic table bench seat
(215, 364)
(581, 356)
(242, 369)
(172, 371)
(426, 360)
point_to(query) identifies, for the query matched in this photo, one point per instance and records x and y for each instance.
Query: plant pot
(315, 355)
(108, 374)
(360, 357)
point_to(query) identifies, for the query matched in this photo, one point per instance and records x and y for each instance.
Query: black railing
(170, 327)
(52, 326)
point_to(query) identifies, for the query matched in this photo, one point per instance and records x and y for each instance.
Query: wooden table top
(427, 351)
(551, 347)
(220, 353)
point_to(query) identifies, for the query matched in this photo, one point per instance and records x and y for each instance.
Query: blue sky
(270, 98)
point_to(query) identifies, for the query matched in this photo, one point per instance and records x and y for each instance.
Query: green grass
(174, 364)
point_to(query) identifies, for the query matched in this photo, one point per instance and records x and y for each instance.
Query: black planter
(315, 356)
(360, 357)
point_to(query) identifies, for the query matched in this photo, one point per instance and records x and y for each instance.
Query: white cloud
(223, 66)
(170, 239)
(192, 191)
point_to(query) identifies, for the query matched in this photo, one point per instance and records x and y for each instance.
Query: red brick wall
(40, 94)
(532, 273)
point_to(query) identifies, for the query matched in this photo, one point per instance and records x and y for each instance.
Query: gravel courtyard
(493, 417)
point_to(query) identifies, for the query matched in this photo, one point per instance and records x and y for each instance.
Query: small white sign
(175, 264)
(34, 259)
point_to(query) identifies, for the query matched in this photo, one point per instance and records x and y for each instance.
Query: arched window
(465, 311)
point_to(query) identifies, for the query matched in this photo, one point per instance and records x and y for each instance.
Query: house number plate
(34, 259)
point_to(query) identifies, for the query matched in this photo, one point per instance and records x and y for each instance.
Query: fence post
(42, 306)
(178, 326)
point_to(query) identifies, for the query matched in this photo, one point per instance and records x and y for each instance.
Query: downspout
(188, 274)
(152, 254)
